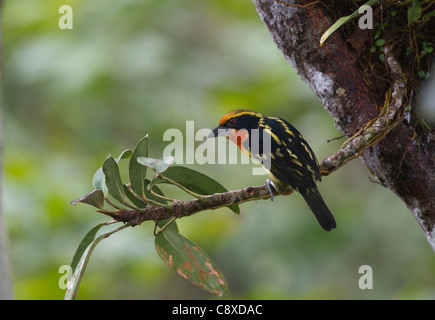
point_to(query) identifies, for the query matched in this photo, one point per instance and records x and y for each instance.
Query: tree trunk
(354, 86)
(5, 282)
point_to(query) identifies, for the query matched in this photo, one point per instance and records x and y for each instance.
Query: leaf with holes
(190, 261)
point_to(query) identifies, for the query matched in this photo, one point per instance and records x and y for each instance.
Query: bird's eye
(231, 122)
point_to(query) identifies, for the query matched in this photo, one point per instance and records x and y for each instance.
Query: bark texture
(354, 94)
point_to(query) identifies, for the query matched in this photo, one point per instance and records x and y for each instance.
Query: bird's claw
(271, 187)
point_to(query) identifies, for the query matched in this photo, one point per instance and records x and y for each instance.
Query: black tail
(319, 208)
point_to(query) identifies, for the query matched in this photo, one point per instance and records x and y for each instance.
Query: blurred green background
(134, 67)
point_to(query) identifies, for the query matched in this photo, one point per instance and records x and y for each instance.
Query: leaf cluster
(111, 195)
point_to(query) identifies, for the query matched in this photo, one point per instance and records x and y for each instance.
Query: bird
(287, 158)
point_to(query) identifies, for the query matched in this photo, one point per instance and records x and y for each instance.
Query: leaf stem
(161, 197)
(194, 194)
(146, 200)
(164, 227)
(112, 204)
(108, 234)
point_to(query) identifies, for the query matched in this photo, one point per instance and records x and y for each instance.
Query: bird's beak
(219, 131)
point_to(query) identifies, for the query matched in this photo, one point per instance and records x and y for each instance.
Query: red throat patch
(238, 137)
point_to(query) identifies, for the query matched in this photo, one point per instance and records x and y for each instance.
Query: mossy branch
(377, 128)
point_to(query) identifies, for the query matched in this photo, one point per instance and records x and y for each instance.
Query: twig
(194, 194)
(336, 138)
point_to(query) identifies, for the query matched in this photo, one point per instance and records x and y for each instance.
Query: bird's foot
(271, 186)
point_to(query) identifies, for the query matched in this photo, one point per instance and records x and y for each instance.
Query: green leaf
(124, 155)
(190, 262)
(197, 182)
(414, 12)
(429, 14)
(336, 26)
(82, 256)
(137, 172)
(74, 283)
(378, 32)
(99, 180)
(86, 241)
(380, 42)
(342, 21)
(113, 179)
(158, 165)
(95, 198)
